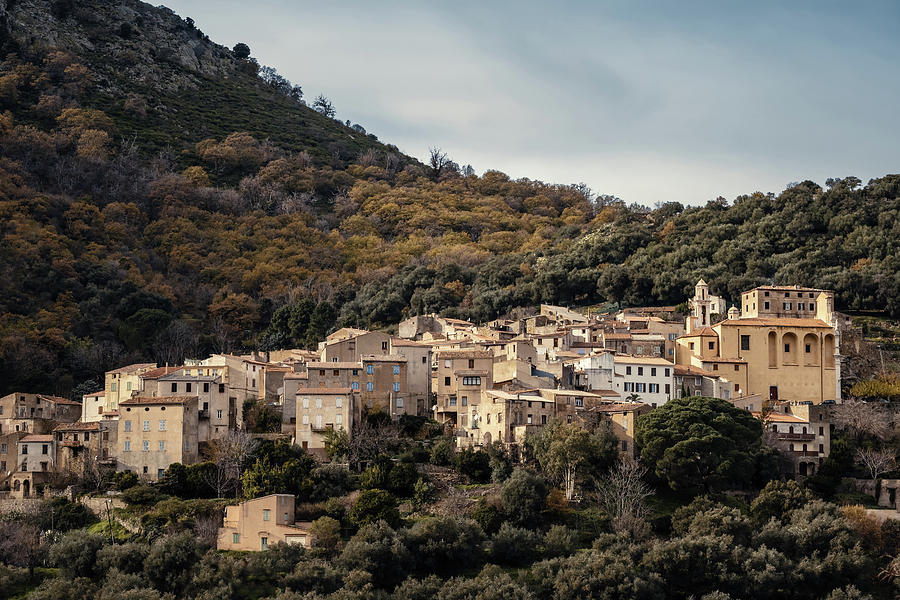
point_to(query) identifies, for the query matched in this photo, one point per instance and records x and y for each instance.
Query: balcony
(810, 453)
(322, 428)
(796, 437)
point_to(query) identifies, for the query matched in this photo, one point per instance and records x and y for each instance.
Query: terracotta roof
(383, 358)
(333, 365)
(140, 401)
(721, 360)
(464, 353)
(134, 367)
(780, 322)
(616, 336)
(297, 376)
(37, 438)
(58, 400)
(401, 343)
(99, 394)
(323, 391)
(692, 370)
(78, 426)
(776, 417)
(644, 360)
(702, 332)
(618, 407)
(158, 372)
(555, 392)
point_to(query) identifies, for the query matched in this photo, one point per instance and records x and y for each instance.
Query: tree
(438, 161)
(325, 532)
(241, 51)
(862, 419)
(876, 462)
(76, 554)
(378, 550)
(229, 454)
(323, 105)
(699, 443)
(524, 497)
(20, 544)
(563, 450)
(778, 500)
(170, 560)
(372, 506)
(622, 495)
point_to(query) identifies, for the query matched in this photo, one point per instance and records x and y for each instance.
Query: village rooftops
(464, 353)
(176, 376)
(402, 343)
(163, 400)
(614, 407)
(703, 332)
(777, 417)
(78, 426)
(35, 438)
(134, 368)
(643, 360)
(158, 372)
(324, 391)
(382, 358)
(58, 400)
(99, 394)
(692, 370)
(579, 393)
(333, 365)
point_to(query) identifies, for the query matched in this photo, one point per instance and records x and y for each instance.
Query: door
(773, 392)
(263, 543)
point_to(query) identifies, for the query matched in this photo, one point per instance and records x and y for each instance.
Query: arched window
(791, 429)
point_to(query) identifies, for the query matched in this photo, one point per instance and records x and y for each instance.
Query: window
(335, 372)
(472, 380)
(112, 387)
(127, 387)
(174, 387)
(162, 446)
(745, 342)
(305, 403)
(624, 446)
(338, 402)
(396, 386)
(668, 372)
(399, 402)
(653, 372)
(356, 372)
(127, 426)
(628, 370)
(715, 367)
(146, 470)
(800, 306)
(354, 386)
(187, 446)
(146, 446)
(640, 370)
(446, 381)
(162, 425)
(147, 425)
(221, 388)
(640, 387)
(787, 294)
(219, 414)
(235, 538)
(691, 344)
(396, 369)
(318, 403)
(370, 369)
(452, 400)
(787, 347)
(766, 304)
(579, 401)
(471, 363)
(267, 514)
(306, 419)
(712, 345)
(629, 386)
(339, 419)
(654, 388)
(668, 389)
(127, 446)
(187, 386)
(370, 387)
(821, 431)
(3, 448)
(205, 387)
(447, 363)
(808, 348)
(263, 543)
(384, 345)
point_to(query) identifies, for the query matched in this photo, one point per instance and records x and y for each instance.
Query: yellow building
(259, 523)
(120, 384)
(788, 353)
(458, 378)
(320, 410)
(153, 433)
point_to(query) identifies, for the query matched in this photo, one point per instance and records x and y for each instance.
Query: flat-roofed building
(646, 379)
(320, 410)
(155, 432)
(255, 525)
(458, 378)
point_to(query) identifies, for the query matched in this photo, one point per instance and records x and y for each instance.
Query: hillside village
(776, 356)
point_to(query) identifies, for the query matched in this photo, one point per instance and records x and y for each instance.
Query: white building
(651, 379)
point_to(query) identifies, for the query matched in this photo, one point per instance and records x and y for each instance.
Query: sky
(648, 101)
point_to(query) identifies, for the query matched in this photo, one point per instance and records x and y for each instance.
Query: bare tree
(438, 161)
(175, 343)
(877, 462)
(368, 441)
(229, 454)
(622, 494)
(206, 528)
(862, 419)
(20, 544)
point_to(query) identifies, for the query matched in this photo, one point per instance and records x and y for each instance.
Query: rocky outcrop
(121, 40)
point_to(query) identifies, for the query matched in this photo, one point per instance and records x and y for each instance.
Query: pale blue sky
(649, 101)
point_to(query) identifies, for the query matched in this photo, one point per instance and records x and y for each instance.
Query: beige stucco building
(120, 384)
(153, 433)
(458, 378)
(320, 410)
(256, 524)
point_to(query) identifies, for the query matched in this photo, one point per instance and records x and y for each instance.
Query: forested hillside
(162, 196)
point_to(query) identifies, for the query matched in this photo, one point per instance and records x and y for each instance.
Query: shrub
(125, 480)
(443, 452)
(474, 464)
(524, 496)
(373, 506)
(488, 515)
(329, 481)
(378, 550)
(325, 533)
(423, 493)
(402, 479)
(514, 546)
(142, 495)
(778, 500)
(126, 558)
(444, 544)
(559, 541)
(169, 562)
(76, 554)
